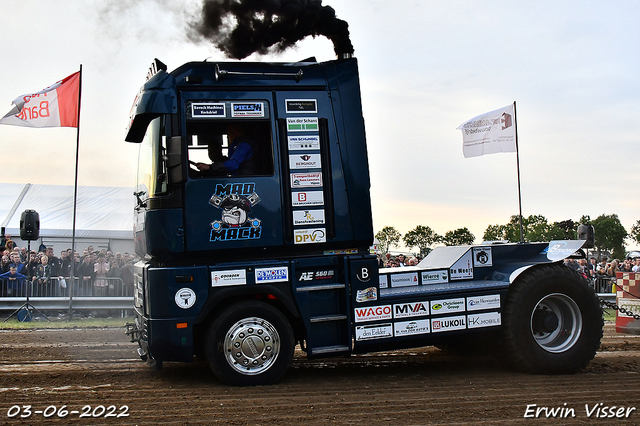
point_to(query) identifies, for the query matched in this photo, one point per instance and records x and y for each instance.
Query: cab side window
(229, 147)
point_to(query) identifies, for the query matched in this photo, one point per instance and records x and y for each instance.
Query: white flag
(489, 133)
(55, 106)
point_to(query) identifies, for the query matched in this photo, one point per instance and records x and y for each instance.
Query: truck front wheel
(250, 343)
(552, 322)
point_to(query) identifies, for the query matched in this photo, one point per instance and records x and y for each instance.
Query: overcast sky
(425, 68)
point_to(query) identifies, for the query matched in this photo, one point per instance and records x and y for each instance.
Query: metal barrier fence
(65, 293)
(602, 284)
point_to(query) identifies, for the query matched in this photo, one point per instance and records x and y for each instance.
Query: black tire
(250, 343)
(552, 322)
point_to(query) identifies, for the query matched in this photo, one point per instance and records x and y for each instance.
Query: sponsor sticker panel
(308, 217)
(185, 298)
(318, 275)
(301, 106)
(231, 277)
(479, 303)
(372, 313)
(309, 236)
(207, 109)
(482, 257)
(488, 319)
(299, 143)
(272, 275)
(411, 328)
(434, 277)
(463, 268)
(404, 280)
(446, 306)
(448, 324)
(247, 109)
(367, 295)
(302, 124)
(415, 309)
(382, 281)
(304, 161)
(307, 198)
(377, 331)
(306, 180)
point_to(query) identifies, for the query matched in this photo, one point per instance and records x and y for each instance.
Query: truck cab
(253, 223)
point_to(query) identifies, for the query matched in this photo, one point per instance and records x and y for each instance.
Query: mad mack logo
(235, 200)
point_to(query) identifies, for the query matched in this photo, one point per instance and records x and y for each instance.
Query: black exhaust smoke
(242, 27)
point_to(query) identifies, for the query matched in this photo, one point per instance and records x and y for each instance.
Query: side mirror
(586, 232)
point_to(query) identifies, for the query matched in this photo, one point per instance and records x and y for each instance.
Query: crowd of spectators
(42, 273)
(594, 269)
(389, 261)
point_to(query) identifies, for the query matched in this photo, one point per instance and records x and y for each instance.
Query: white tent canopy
(102, 212)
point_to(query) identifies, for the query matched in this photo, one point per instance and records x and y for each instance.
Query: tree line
(610, 235)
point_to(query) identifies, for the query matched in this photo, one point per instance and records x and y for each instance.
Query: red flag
(54, 106)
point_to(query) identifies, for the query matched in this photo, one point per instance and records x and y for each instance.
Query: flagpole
(515, 121)
(75, 199)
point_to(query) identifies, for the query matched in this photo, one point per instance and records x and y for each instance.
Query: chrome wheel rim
(252, 346)
(556, 323)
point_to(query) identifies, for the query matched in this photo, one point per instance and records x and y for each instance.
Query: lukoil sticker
(405, 310)
(373, 313)
(377, 331)
(367, 295)
(447, 305)
(488, 319)
(232, 277)
(448, 324)
(482, 257)
(185, 298)
(410, 328)
(478, 303)
(272, 275)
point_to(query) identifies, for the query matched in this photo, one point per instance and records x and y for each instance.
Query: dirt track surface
(98, 367)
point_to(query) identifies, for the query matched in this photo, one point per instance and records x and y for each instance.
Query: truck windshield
(152, 177)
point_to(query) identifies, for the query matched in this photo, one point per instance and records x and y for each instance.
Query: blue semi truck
(240, 268)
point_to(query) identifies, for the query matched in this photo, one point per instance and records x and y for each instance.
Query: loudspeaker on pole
(29, 225)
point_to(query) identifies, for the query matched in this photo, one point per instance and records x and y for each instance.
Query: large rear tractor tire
(552, 322)
(250, 343)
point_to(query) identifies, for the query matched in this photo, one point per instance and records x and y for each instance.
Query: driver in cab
(241, 159)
